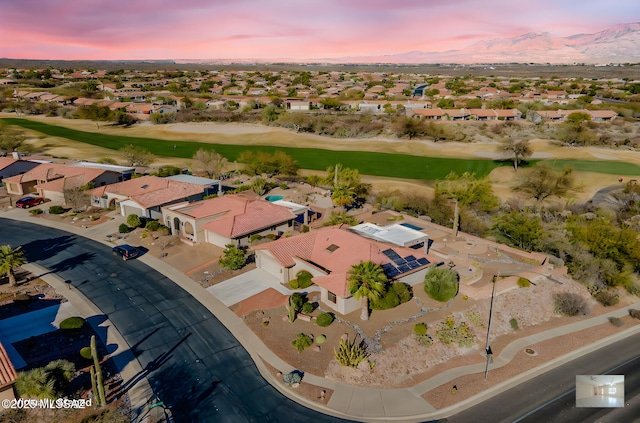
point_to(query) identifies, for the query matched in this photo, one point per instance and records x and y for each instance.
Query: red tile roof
(150, 191)
(51, 171)
(6, 162)
(351, 249)
(240, 215)
(429, 112)
(7, 372)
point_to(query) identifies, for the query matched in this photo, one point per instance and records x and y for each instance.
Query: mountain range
(618, 44)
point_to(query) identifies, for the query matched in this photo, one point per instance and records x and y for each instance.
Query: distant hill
(618, 44)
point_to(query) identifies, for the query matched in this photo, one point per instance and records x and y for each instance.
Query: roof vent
(331, 248)
(145, 186)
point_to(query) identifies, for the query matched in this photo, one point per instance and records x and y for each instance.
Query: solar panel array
(400, 264)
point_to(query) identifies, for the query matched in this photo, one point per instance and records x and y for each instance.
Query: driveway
(243, 286)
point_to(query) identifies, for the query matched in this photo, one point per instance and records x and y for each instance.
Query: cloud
(131, 29)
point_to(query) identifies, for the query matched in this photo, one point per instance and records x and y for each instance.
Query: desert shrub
(524, 283)
(293, 284)
(635, 313)
(133, 220)
(420, 329)
(124, 228)
(71, 323)
(450, 333)
(307, 308)
(86, 353)
(403, 291)
(388, 300)
(633, 288)
(304, 279)
(163, 230)
(291, 378)
(301, 342)
(271, 236)
(350, 353)
(233, 258)
(35, 211)
(324, 319)
(514, 324)
(305, 229)
(284, 186)
(152, 225)
(441, 284)
(424, 340)
(474, 317)
(570, 304)
(321, 339)
(56, 210)
(607, 297)
(616, 321)
(255, 237)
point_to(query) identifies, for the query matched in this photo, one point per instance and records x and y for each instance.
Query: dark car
(26, 202)
(125, 251)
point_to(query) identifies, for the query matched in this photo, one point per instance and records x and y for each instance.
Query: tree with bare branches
(208, 162)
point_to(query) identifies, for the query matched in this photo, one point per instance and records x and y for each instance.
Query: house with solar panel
(329, 253)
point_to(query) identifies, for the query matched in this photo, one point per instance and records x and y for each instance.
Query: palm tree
(35, 384)
(11, 258)
(366, 282)
(343, 196)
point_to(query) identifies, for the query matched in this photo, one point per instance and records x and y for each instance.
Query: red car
(26, 202)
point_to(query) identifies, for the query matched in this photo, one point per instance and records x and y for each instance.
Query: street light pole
(487, 346)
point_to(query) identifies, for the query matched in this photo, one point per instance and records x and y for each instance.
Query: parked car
(26, 202)
(125, 251)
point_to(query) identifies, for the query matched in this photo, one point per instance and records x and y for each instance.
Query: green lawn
(368, 163)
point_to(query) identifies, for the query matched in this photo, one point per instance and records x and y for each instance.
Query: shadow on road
(151, 367)
(43, 249)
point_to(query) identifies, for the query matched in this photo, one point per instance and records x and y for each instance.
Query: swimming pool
(410, 226)
(274, 197)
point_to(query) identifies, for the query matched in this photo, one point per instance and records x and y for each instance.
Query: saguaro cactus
(98, 371)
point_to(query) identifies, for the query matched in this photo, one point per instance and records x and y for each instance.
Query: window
(331, 297)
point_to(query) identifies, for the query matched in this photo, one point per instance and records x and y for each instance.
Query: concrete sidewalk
(359, 403)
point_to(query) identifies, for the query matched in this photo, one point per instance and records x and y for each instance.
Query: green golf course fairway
(368, 163)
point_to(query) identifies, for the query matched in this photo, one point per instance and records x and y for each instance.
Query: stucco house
(429, 114)
(231, 219)
(145, 196)
(50, 180)
(329, 253)
(12, 167)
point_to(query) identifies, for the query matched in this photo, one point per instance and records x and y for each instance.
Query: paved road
(550, 397)
(192, 361)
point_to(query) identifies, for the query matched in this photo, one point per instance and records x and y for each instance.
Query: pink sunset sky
(214, 29)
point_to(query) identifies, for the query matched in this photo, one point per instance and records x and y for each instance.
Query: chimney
(17, 155)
